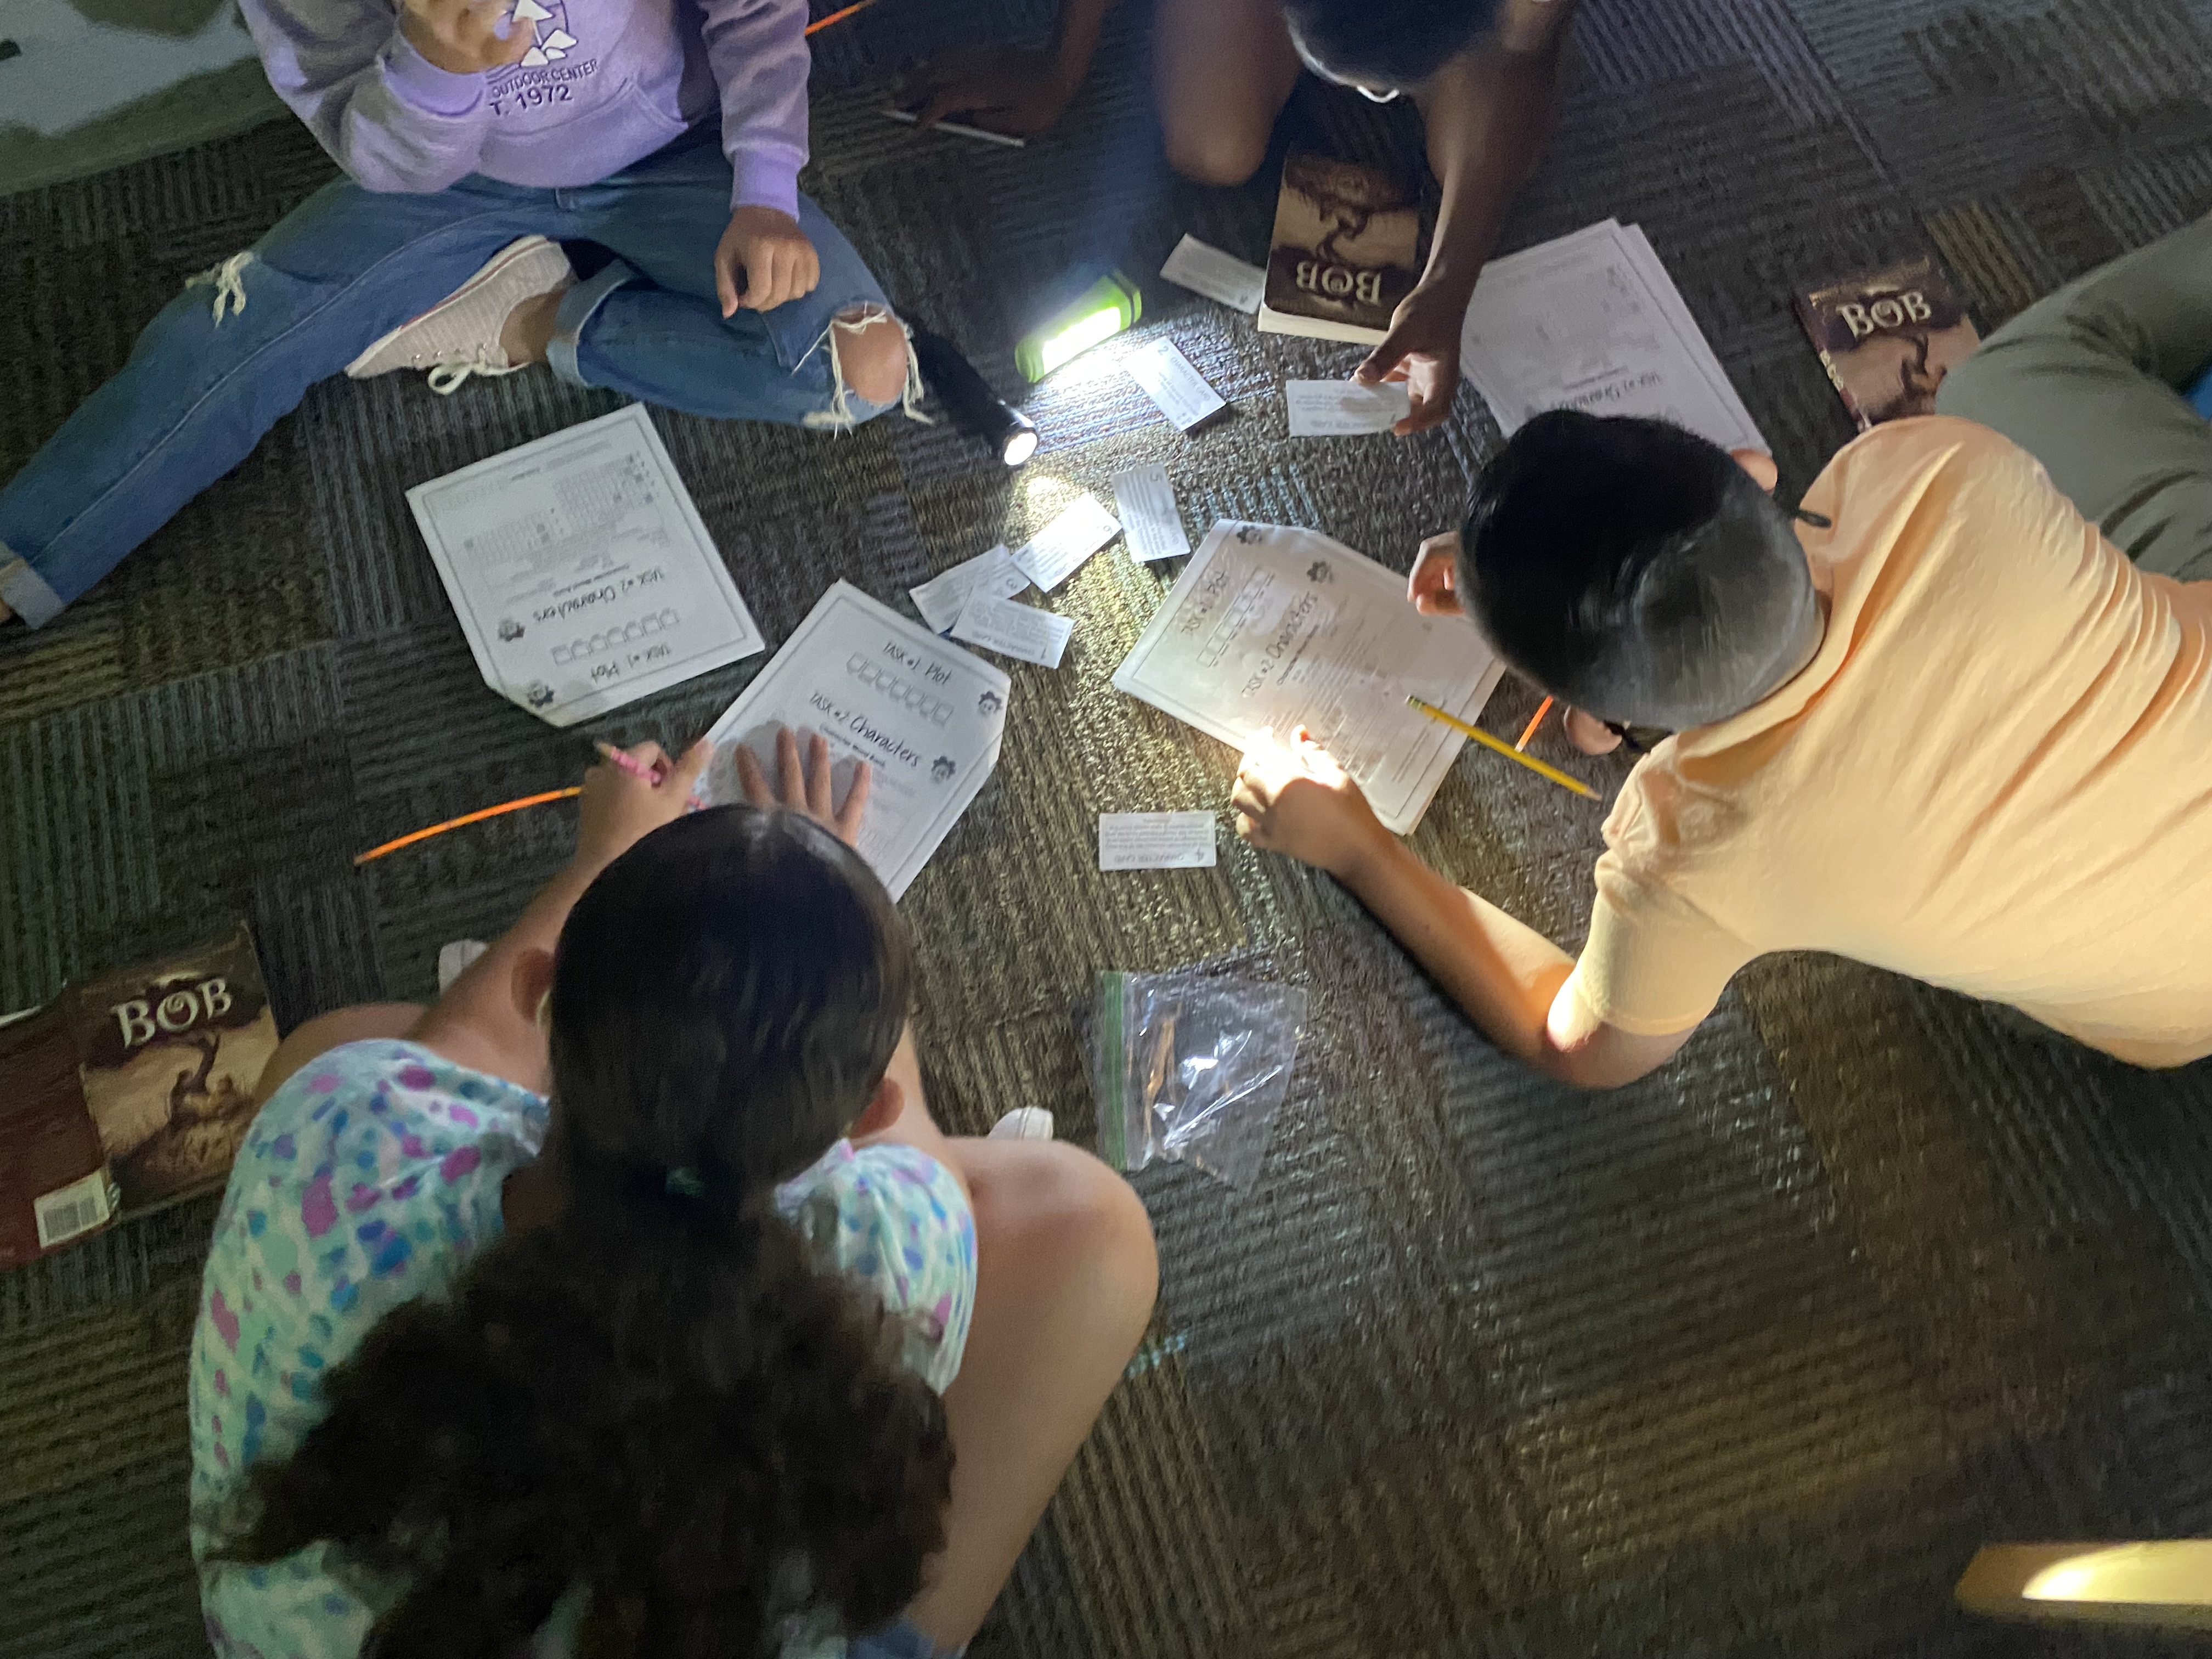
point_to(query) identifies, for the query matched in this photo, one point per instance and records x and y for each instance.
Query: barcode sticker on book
(71, 1211)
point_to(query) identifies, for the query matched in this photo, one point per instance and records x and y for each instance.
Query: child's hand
(462, 37)
(806, 789)
(1293, 797)
(763, 260)
(1017, 89)
(1432, 587)
(1589, 733)
(621, 809)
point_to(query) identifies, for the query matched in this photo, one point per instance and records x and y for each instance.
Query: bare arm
(487, 1020)
(1509, 978)
(1512, 981)
(1489, 114)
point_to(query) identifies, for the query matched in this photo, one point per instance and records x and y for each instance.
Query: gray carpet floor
(1747, 1359)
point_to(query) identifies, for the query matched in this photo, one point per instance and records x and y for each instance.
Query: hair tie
(684, 1183)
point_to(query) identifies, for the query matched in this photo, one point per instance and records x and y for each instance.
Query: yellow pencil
(1501, 746)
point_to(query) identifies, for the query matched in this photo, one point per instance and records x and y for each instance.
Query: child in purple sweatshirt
(477, 136)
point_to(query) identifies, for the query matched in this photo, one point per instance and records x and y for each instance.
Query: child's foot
(1024, 1123)
(467, 332)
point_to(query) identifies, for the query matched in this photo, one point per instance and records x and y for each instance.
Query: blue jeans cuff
(576, 310)
(24, 591)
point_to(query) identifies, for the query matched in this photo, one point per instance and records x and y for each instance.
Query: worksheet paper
(1344, 409)
(1270, 626)
(925, 715)
(1204, 268)
(944, 596)
(1151, 520)
(1170, 381)
(580, 572)
(1057, 551)
(1020, 631)
(1592, 321)
(1156, 841)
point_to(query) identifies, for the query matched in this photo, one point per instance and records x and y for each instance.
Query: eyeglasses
(1388, 96)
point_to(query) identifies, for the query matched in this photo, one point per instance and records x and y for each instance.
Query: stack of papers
(1593, 322)
(925, 715)
(1270, 626)
(580, 572)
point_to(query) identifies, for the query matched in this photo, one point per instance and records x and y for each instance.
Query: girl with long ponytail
(627, 1302)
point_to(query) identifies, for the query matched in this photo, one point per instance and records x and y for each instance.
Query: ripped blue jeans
(239, 346)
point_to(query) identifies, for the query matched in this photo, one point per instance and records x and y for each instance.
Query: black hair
(1385, 44)
(655, 1396)
(1635, 570)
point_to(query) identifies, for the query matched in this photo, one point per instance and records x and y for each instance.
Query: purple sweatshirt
(605, 83)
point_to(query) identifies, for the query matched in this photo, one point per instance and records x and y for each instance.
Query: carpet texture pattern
(1747, 1359)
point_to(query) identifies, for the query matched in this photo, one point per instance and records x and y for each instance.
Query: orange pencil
(839, 16)
(476, 816)
(1534, 720)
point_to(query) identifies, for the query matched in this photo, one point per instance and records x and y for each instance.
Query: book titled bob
(127, 1092)
(1887, 338)
(1345, 251)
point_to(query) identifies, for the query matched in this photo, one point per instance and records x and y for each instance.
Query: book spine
(1810, 322)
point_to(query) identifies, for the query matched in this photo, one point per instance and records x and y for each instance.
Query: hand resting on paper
(1292, 798)
(805, 787)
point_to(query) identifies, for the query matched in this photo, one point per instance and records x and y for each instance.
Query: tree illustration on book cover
(1344, 253)
(169, 1056)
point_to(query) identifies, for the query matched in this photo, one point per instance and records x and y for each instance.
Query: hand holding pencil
(632, 792)
(646, 763)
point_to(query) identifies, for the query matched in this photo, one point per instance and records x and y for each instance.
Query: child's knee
(1212, 152)
(871, 359)
(1072, 1215)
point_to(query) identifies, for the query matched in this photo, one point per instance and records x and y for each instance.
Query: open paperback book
(1270, 626)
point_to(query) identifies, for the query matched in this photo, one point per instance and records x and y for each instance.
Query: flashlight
(1103, 310)
(968, 398)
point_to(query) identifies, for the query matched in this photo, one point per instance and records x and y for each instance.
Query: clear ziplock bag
(1192, 1067)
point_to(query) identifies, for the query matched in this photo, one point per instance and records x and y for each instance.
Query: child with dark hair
(605, 1307)
(1482, 72)
(1933, 721)
(476, 138)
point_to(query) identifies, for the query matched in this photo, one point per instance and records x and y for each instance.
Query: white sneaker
(1024, 1123)
(459, 336)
